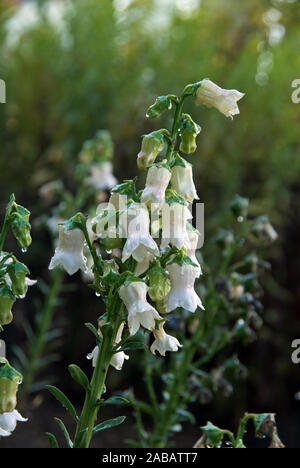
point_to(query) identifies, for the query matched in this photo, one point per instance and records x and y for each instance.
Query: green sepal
(77, 221)
(173, 197)
(127, 188)
(9, 372)
(17, 272)
(161, 104)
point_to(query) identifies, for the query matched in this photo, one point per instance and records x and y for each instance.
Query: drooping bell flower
(139, 241)
(9, 382)
(225, 100)
(263, 228)
(158, 178)
(143, 266)
(8, 422)
(101, 176)
(7, 300)
(140, 312)
(174, 225)
(163, 342)
(193, 235)
(182, 179)
(118, 358)
(17, 272)
(182, 292)
(152, 145)
(69, 252)
(188, 132)
(159, 283)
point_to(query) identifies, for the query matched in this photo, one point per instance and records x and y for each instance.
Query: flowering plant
(14, 282)
(158, 244)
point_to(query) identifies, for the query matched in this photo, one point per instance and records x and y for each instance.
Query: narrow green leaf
(61, 397)
(92, 329)
(52, 440)
(79, 376)
(108, 424)
(116, 401)
(65, 432)
(131, 346)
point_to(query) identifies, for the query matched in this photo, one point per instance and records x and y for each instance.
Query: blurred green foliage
(105, 62)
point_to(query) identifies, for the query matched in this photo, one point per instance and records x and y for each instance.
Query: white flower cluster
(152, 226)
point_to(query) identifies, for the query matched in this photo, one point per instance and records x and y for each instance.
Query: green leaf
(92, 329)
(258, 420)
(65, 432)
(214, 435)
(131, 346)
(79, 376)
(186, 415)
(108, 424)
(52, 440)
(61, 397)
(116, 401)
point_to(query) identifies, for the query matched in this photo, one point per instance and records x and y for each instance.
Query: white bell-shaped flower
(225, 100)
(142, 266)
(139, 241)
(163, 342)
(182, 182)
(8, 422)
(182, 293)
(157, 182)
(193, 235)
(101, 176)
(174, 226)
(118, 358)
(69, 252)
(140, 312)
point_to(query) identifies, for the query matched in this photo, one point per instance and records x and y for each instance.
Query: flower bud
(17, 272)
(239, 206)
(152, 145)
(263, 227)
(7, 300)
(159, 283)
(9, 382)
(188, 133)
(20, 227)
(161, 104)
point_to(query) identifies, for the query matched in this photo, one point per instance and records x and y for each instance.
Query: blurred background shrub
(74, 66)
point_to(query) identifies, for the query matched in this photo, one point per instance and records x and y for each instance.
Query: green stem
(84, 430)
(38, 346)
(5, 226)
